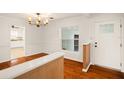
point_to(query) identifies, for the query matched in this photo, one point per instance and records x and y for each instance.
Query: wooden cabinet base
(51, 70)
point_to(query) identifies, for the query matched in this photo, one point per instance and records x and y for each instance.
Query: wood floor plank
(20, 60)
(73, 70)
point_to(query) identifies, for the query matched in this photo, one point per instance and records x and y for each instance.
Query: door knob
(95, 45)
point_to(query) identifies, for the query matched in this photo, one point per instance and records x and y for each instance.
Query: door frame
(121, 20)
(24, 39)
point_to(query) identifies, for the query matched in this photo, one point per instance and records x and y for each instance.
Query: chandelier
(39, 20)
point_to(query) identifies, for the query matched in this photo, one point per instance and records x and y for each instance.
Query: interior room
(17, 42)
(62, 45)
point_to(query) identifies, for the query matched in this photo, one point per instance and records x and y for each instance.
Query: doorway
(17, 41)
(107, 49)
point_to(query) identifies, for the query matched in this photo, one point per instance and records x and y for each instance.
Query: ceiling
(54, 15)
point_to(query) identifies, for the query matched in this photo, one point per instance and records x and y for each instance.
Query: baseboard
(34, 53)
(78, 60)
(2, 61)
(85, 70)
(74, 59)
(122, 70)
(108, 67)
(16, 47)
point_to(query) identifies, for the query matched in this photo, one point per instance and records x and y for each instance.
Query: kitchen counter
(20, 69)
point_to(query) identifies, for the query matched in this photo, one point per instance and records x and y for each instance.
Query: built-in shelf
(76, 42)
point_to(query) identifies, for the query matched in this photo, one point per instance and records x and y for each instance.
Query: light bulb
(37, 22)
(44, 22)
(47, 21)
(29, 19)
(39, 18)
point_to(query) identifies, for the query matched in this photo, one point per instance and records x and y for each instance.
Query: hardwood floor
(72, 69)
(20, 60)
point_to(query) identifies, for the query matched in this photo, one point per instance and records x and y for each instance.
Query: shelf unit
(76, 42)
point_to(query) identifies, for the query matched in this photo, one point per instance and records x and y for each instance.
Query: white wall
(52, 35)
(33, 37)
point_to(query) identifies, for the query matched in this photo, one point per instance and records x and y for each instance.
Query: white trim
(122, 70)
(121, 39)
(2, 61)
(70, 58)
(108, 67)
(78, 60)
(85, 70)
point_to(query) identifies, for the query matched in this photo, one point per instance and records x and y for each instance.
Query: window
(70, 38)
(107, 28)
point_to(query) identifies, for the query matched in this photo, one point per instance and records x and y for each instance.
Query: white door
(107, 44)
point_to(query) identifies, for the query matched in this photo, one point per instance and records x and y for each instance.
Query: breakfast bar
(46, 67)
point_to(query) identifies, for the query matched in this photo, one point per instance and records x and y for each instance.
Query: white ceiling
(54, 15)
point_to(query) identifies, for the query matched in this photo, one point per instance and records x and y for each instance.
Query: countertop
(20, 69)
